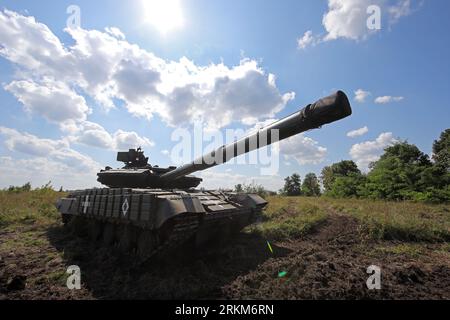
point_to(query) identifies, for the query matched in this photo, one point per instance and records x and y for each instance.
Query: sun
(164, 15)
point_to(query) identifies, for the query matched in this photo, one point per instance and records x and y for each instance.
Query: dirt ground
(329, 263)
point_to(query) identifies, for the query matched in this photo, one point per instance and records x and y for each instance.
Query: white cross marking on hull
(86, 204)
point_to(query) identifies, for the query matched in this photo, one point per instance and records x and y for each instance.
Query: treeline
(403, 172)
(27, 188)
(253, 188)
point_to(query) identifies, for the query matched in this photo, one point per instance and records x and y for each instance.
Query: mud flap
(249, 200)
(63, 205)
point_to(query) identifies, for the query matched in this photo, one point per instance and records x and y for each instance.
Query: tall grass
(28, 207)
(407, 221)
(284, 218)
(381, 220)
(288, 218)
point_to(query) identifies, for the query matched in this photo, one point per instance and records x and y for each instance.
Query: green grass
(28, 208)
(405, 221)
(24, 218)
(284, 218)
(413, 250)
(380, 220)
(57, 278)
(28, 239)
(287, 218)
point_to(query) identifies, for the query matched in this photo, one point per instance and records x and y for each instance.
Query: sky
(81, 80)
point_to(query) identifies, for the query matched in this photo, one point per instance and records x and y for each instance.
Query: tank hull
(151, 221)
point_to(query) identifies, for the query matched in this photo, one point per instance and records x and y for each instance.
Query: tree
(340, 169)
(441, 150)
(255, 188)
(25, 188)
(310, 186)
(437, 178)
(251, 188)
(287, 183)
(347, 186)
(342, 179)
(401, 173)
(292, 185)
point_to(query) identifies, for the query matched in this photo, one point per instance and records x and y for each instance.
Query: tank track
(146, 243)
(184, 229)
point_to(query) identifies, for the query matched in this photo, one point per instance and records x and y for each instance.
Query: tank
(147, 210)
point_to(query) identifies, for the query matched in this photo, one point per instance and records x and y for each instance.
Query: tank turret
(138, 173)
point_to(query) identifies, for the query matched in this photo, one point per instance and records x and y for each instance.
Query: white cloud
(227, 180)
(303, 149)
(53, 100)
(165, 152)
(366, 152)
(361, 95)
(55, 160)
(347, 19)
(30, 144)
(54, 150)
(115, 32)
(400, 10)
(93, 134)
(104, 66)
(30, 44)
(358, 132)
(40, 170)
(388, 99)
(124, 140)
(306, 40)
(299, 147)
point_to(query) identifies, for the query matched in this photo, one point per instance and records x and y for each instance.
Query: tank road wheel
(127, 239)
(109, 234)
(78, 226)
(95, 230)
(145, 244)
(66, 218)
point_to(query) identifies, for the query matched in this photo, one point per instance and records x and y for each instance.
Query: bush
(347, 187)
(432, 195)
(252, 188)
(25, 188)
(289, 218)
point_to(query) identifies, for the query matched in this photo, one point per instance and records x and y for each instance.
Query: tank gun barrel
(326, 110)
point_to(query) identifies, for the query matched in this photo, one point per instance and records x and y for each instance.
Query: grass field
(312, 240)
(35, 207)
(404, 221)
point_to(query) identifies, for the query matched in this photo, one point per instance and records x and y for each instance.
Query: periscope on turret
(147, 209)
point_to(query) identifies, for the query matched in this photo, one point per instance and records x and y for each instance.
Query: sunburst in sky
(164, 15)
